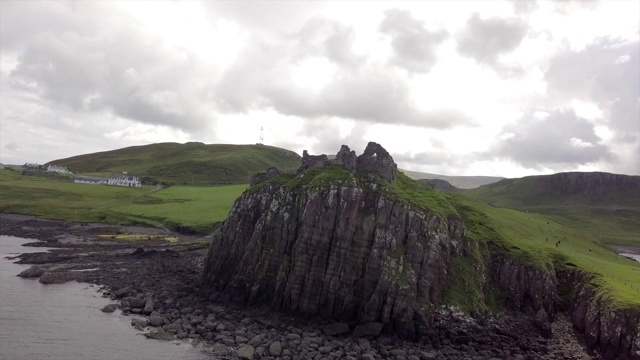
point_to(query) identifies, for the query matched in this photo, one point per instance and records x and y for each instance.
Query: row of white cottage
(120, 181)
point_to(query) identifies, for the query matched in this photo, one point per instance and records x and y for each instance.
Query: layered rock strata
(343, 252)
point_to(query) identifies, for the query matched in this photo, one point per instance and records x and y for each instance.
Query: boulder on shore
(34, 271)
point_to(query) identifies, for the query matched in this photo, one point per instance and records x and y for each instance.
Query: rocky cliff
(595, 188)
(345, 239)
(615, 333)
(339, 249)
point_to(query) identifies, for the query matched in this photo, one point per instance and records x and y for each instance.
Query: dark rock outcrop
(595, 186)
(352, 252)
(528, 289)
(341, 252)
(375, 159)
(347, 158)
(259, 177)
(439, 184)
(311, 161)
(615, 333)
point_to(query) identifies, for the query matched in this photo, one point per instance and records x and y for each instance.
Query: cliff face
(595, 188)
(338, 252)
(615, 333)
(339, 244)
(343, 252)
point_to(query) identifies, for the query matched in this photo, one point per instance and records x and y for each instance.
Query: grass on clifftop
(531, 239)
(405, 189)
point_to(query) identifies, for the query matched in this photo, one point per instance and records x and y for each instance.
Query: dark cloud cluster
(606, 73)
(126, 70)
(366, 96)
(327, 38)
(261, 79)
(556, 141)
(414, 46)
(485, 40)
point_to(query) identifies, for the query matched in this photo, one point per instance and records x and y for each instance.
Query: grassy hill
(184, 208)
(184, 164)
(602, 206)
(461, 182)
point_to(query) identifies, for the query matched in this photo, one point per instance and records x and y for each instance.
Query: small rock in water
(110, 308)
(149, 305)
(122, 291)
(160, 335)
(32, 272)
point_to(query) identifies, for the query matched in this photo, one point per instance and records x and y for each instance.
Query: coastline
(159, 281)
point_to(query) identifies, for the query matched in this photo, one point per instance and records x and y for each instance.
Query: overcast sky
(505, 88)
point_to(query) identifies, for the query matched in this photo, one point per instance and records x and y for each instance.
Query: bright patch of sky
(503, 88)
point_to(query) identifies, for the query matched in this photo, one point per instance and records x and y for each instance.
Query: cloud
(264, 76)
(127, 71)
(485, 40)
(368, 96)
(414, 46)
(606, 72)
(266, 17)
(556, 141)
(524, 6)
(330, 39)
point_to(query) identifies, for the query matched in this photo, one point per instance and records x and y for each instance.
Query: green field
(193, 163)
(196, 209)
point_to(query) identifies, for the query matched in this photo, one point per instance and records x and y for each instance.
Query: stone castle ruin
(375, 159)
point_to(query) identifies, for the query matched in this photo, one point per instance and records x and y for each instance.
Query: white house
(58, 169)
(125, 181)
(90, 180)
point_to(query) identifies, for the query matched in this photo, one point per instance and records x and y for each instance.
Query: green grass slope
(601, 206)
(184, 164)
(185, 208)
(531, 239)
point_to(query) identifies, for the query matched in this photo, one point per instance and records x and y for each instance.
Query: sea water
(64, 321)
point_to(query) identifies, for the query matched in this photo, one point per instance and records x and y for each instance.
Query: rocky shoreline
(158, 285)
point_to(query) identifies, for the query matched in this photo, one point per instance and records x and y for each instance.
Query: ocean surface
(64, 322)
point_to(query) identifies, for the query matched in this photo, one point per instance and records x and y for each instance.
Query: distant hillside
(573, 188)
(601, 204)
(439, 184)
(461, 182)
(184, 164)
